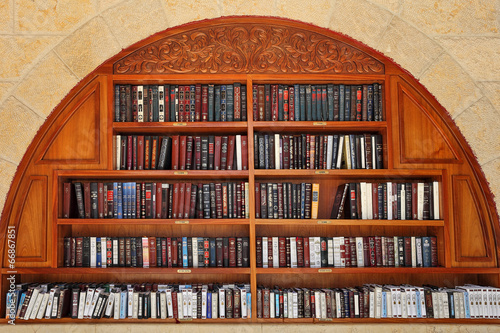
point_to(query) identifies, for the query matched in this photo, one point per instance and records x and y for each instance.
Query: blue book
(319, 103)
(296, 89)
(209, 304)
(217, 102)
(384, 305)
(342, 102)
(172, 103)
(369, 103)
(280, 103)
(184, 252)
(302, 96)
(98, 253)
(117, 102)
(277, 306)
(212, 253)
(124, 200)
(133, 200)
(211, 98)
(223, 103)
(123, 304)
(426, 252)
(229, 102)
(466, 304)
(308, 103)
(347, 110)
(115, 200)
(249, 304)
(329, 96)
(419, 300)
(119, 194)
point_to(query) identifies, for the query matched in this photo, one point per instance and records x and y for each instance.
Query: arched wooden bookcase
(420, 141)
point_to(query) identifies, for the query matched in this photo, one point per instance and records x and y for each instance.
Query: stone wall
(451, 46)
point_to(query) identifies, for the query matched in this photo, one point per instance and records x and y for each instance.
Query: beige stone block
(19, 52)
(492, 171)
(105, 4)
(316, 12)
(7, 22)
(479, 56)
(135, 20)
(491, 90)
(361, 20)
(248, 7)
(5, 89)
(51, 15)
(479, 125)
(391, 5)
(50, 327)
(7, 172)
(452, 16)
(45, 86)
(183, 11)
(88, 47)
(410, 48)
(452, 87)
(18, 126)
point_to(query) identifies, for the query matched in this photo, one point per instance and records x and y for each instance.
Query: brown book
(237, 102)
(375, 201)
(364, 107)
(282, 251)
(100, 200)
(204, 103)
(152, 251)
(434, 252)
(407, 251)
(154, 152)
(147, 152)
(266, 305)
(244, 152)
(198, 102)
(258, 251)
(182, 195)
(217, 152)
(378, 251)
(259, 303)
(159, 201)
(260, 103)
(224, 153)
(300, 251)
(232, 252)
(68, 195)
(239, 252)
(175, 152)
(231, 145)
(128, 252)
(86, 199)
(197, 153)
(140, 152)
(414, 201)
(182, 152)
(187, 200)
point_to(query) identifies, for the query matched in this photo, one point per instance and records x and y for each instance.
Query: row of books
(286, 200)
(180, 103)
(325, 102)
(181, 152)
(125, 200)
(380, 301)
(416, 200)
(367, 251)
(309, 151)
(146, 252)
(121, 301)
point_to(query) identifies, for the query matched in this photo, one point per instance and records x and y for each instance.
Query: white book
(130, 301)
(180, 306)
(364, 200)
(418, 247)
(403, 201)
(185, 306)
(244, 305)
(176, 103)
(317, 297)
(93, 304)
(435, 303)
(81, 304)
(359, 252)
(43, 305)
(363, 152)
(323, 304)
(88, 302)
(247, 201)
(117, 304)
(163, 305)
(117, 152)
(423, 309)
(317, 252)
(338, 308)
(340, 151)
(329, 154)
(336, 252)
(435, 198)
(276, 253)
(331, 251)
(272, 303)
(110, 305)
(390, 200)
(215, 305)
(374, 153)
(194, 305)
(404, 304)
(161, 103)
(372, 302)
(396, 251)
(93, 252)
(204, 303)
(135, 305)
(34, 303)
(194, 242)
(153, 305)
(312, 253)
(356, 305)
(369, 201)
(347, 149)
(103, 251)
(293, 252)
(295, 304)
(265, 253)
(413, 252)
(388, 302)
(222, 303)
(446, 305)
(285, 304)
(140, 104)
(378, 301)
(239, 161)
(277, 152)
(169, 300)
(420, 201)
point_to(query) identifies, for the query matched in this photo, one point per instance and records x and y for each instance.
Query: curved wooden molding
(248, 48)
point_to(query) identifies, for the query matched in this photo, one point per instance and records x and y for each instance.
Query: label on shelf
(325, 319)
(321, 172)
(184, 271)
(182, 222)
(319, 123)
(324, 270)
(324, 222)
(180, 124)
(180, 172)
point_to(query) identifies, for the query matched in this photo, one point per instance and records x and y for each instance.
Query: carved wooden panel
(31, 222)
(422, 139)
(473, 241)
(248, 48)
(77, 140)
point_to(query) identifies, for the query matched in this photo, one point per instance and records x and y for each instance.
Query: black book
(86, 252)
(201, 252)
(190, 251)
(206, 200)
(165, 156)
(93, 200)
(339, 202)
(212, 252)
(158, 252)
(79, 199)
(324, 252)
(204, 153)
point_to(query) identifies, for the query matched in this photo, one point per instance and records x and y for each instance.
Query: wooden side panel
(474, 244)
(31, 222)
(422, 139)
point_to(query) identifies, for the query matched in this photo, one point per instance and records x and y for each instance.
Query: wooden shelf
(320, 126)
(376, 174)
(61, 221)
(378, 270)
(154, 174)
(166, 128)
(129, 270)
(347, 222)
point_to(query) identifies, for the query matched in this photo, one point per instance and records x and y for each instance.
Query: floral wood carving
(248, 48)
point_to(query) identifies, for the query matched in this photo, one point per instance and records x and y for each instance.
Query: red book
(434, 255)
(187, 201)
(175, 152)
(189, 152)
(175, 201)
(158, 200)
(182, 191)
(204, 103)
(366, 251)
(258, 251)
(307, 262)
(86, 199)
(140, 152)
(163, 252)
(169, 252)
(257, 201)
(192, 204)
(147, 152)
(67, 200)
(375, 201)
(291, 103)
(129, 152)
(154, 152)
(282, 251)
(187, 103)
(237, 101)
(218, 200)
(197, 153)
(414, 201)
(198, 102)
(407, 251)
(174, 304)
(244, 152)
(217, 152)
(270, 252)
(174, 252)
(285, 103)
(378, 250)
(152, 251)
(134, 103)
(274, 102)
(181, 104)
(347, 249)
(224, 150)
(182, 152)
(100, 200)
(230, 152)
(255, 102)
(232, 252)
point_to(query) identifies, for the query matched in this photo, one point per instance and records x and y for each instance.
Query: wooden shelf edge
(316, 125)
(128, 270)
(349, 173)
(356, 222)
(126, 321)
(73, 221)
(180, 126)
(378, 270)
(147, 174)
